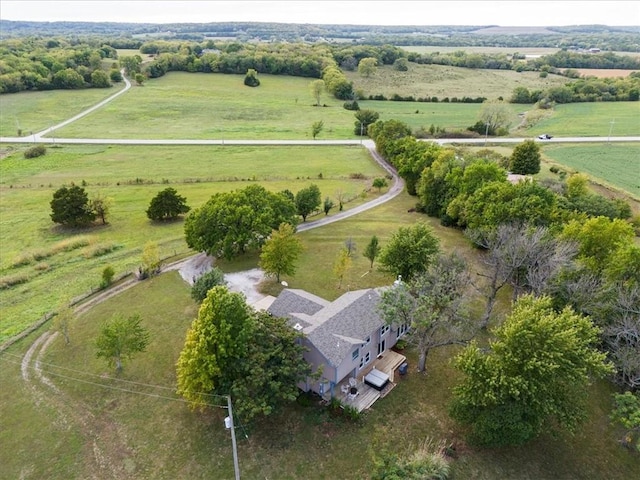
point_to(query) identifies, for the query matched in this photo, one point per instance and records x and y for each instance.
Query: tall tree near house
(120, 339)
(218, 338)
(231, 349)
(308, 200)
(432, 305)
(533, 378)
(281, 251)
(316, 88)
(372, 250)
(342, 265)
(206, 282)
(409, 251)
(525, 257)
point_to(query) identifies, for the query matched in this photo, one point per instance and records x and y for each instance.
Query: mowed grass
(446, 81)
(616, 164)
(33, 112)
(135, 434)
(216, 106)
(591, 119)
(31, 255)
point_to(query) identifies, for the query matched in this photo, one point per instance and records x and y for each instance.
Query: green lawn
(135, 427)
(216, 106)
(132, 176)
(35, 111)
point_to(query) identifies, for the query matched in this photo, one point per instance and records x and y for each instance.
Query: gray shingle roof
(333, 328)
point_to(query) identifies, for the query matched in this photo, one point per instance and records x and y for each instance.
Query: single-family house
(347, 340)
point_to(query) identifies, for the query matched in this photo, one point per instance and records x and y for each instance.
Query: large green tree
(70, 207)
(533, 378)
(496, 115)
(432, 305)
(367, 66)
(364, 118)
(525, 159)
(120, 339)
(316, 88)
(308, 200)
(232, 350)
(372, 250)
(409, 251)
(167, 205)
(280, 252)
(230, 223)
(206, 282)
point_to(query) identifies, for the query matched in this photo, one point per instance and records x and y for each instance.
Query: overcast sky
(364, 12)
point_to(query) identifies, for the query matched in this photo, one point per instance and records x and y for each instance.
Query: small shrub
(554, 169)
(36, 151)
(9, 281)
(24, 258)
(107, 276)
(357, 176)
(206, 282)
(99, 249)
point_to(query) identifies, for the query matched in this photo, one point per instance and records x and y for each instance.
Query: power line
(112, 378)
(126, 390)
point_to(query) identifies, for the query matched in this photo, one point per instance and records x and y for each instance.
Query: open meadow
(446, 81)
(133, 426)
(36, 254)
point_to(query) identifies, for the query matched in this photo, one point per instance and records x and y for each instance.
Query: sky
(363, 12)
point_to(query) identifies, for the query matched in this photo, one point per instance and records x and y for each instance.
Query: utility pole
(486, 133)
(228, 422)
(610, 130)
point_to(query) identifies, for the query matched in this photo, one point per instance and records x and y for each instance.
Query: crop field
(591, 119)
(616, 165)
(35, 253)
(445, 81)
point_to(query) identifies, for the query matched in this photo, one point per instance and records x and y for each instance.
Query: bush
(351, 105)
(33, 152)
(107, 276)
(206, 282)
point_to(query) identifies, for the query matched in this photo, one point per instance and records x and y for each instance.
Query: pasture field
(591, 119)
(614, 165)
(35, 111)
(36, 254)
(216, 106)
(445, 81)
(92, 427)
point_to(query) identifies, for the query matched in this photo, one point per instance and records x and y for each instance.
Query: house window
(355, 354)
(384, 329)
(402, 329)
(366, 342)
(364, 360)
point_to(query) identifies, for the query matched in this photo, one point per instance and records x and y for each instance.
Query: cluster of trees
(569, 59)
(41, 64)
(72, 207)
(231, 349)
(590, 89)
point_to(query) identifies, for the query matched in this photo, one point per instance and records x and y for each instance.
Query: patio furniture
(344, 388)
(353, 382)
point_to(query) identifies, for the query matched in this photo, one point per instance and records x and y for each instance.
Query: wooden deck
(388, 362)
